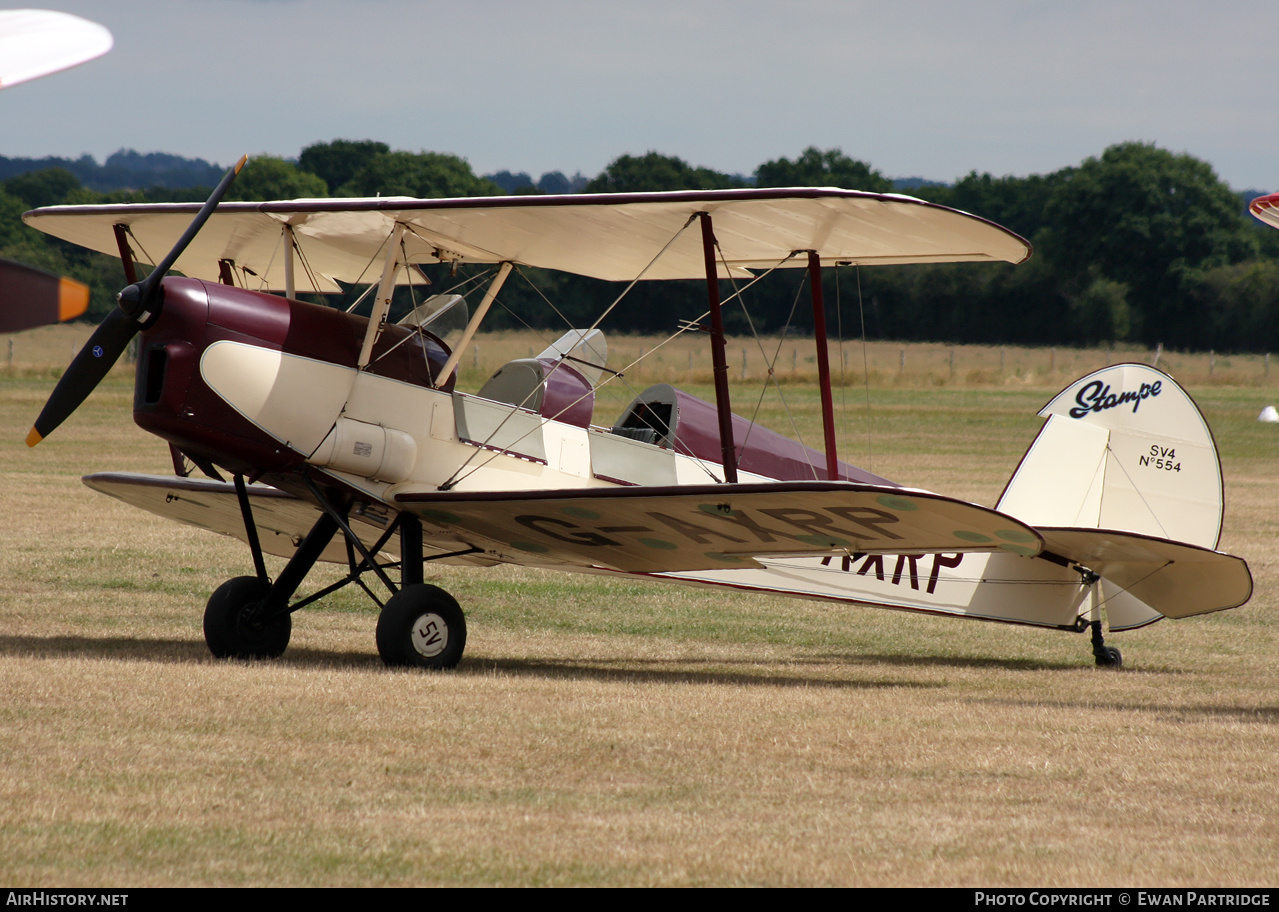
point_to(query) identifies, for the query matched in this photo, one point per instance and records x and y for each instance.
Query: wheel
(421, 626)
(227, 630)
(1111, 659)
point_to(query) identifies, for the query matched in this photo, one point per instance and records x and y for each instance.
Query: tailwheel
(421, 626)
(1105, 656)
(230, 628)
(1108, 657)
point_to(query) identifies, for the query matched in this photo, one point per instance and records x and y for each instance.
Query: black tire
(226, 628)
(421, 626)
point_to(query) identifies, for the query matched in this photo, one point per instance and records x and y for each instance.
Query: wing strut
(386, 287)
(719, 360)
(126, 252)
(290, 283)
(823, 363)
(502, 272)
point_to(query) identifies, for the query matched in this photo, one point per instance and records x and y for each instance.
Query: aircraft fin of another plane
(1124, 448)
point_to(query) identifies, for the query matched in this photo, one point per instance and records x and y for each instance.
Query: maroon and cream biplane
(345, 437)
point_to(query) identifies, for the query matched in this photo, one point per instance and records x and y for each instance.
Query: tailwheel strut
(1104, 656)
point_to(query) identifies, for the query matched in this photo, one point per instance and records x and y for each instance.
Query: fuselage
(270, 387)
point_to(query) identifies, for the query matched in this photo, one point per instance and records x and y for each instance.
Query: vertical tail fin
(1124, 448)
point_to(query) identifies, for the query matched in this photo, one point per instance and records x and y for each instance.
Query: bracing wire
(861, 311)
(453, 479)
(771, 363)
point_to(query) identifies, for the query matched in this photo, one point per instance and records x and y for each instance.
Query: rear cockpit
(559, 383)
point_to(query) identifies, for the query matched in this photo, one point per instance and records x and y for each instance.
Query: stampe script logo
(1097, 397)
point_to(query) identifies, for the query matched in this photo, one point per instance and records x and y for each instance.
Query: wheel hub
(430, 635)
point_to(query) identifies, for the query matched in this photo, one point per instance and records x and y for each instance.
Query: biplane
(346, 438)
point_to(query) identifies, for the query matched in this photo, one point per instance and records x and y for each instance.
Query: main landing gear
(420, 626)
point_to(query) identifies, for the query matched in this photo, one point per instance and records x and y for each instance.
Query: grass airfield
(609, 733)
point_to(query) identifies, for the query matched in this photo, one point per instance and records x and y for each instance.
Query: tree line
(1136, 245)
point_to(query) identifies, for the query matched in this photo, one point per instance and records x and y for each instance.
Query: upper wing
(706, 527)
(39, 42)
(607, 236)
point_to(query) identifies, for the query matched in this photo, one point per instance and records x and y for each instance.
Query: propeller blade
(31, 297)
(87, 369)
(138, 303)
(139, 299)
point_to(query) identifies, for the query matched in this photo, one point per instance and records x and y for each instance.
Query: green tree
(1239, 305)
(47, 187)
(425, 175)
(1017, 203)
(270, 178)
(1100, 313)
(12, 231)
(1147, 218)
(815, 168)
(338, 161)
(654, 172)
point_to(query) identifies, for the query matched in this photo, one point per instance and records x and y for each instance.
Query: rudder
(1124, 448)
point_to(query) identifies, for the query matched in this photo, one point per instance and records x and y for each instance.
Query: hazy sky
(915, 88)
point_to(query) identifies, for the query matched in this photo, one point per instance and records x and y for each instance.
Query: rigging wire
(772, 364)
(306, 265)
(453, 479)
(861, 311)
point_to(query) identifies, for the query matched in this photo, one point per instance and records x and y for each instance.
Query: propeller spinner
(138, 304)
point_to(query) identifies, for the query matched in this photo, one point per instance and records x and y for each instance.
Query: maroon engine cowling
(172, 401)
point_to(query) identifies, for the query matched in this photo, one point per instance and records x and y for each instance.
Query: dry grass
(603, 732)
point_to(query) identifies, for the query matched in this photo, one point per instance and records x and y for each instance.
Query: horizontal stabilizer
(710, 527)
(1173, 578)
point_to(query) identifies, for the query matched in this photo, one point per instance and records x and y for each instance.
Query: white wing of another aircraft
(35, 43)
